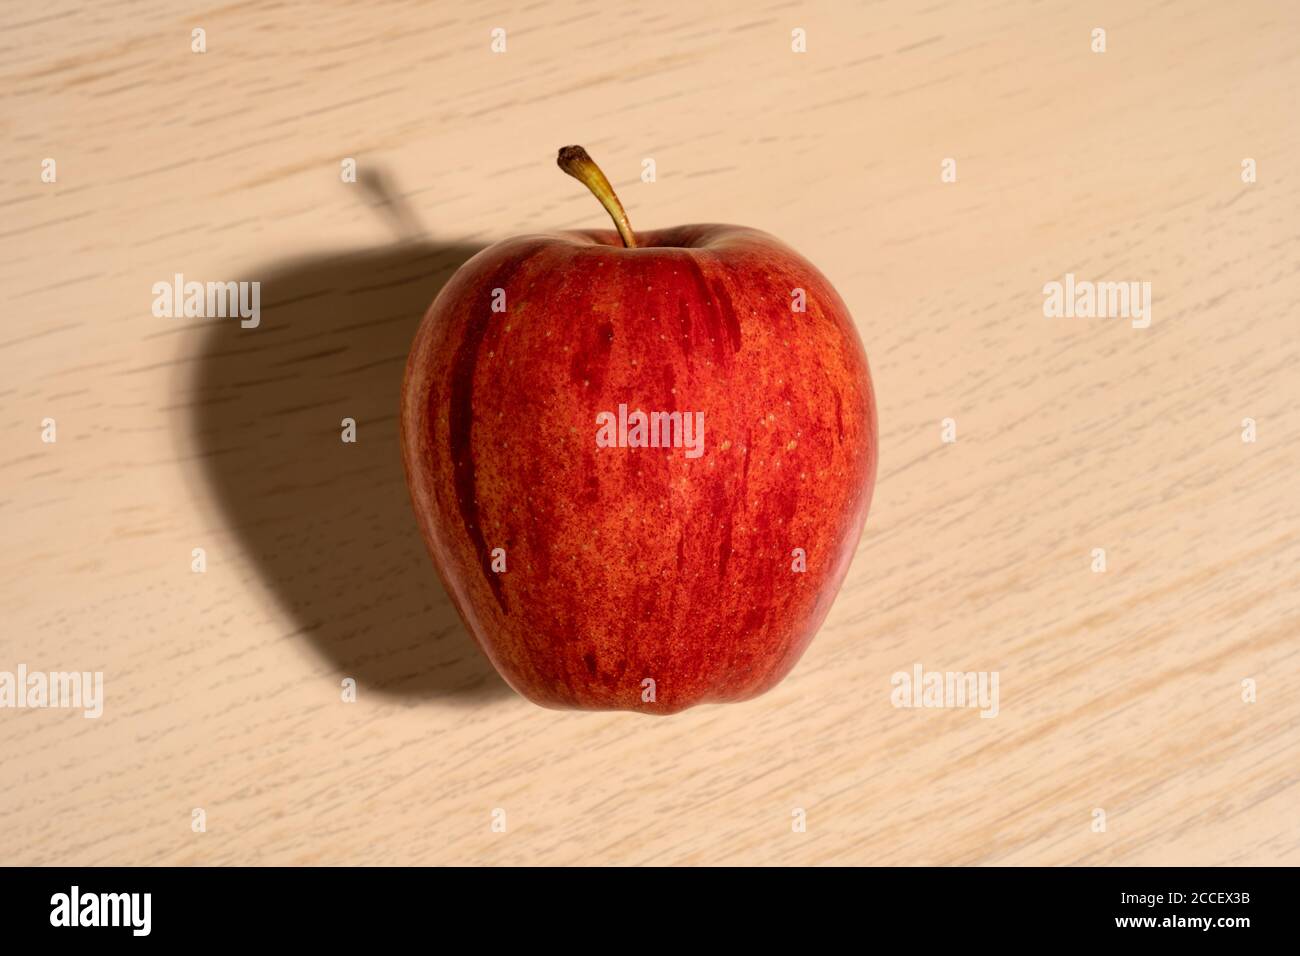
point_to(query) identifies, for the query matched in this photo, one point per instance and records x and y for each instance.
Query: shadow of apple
(329, 523)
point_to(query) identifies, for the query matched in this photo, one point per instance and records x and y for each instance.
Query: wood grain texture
(1119, 690)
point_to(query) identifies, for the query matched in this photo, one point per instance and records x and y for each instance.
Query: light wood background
(1120, 691)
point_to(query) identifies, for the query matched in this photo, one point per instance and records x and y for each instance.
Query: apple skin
(628, 564)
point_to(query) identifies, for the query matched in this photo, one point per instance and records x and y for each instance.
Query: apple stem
(575, 161)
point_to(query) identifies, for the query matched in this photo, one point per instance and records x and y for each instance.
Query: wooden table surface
(1124, 691)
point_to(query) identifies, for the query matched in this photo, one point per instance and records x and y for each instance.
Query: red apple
(634, 577)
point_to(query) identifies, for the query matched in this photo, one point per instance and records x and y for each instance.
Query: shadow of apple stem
(401, 215)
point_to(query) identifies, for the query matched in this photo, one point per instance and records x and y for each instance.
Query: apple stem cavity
(575, 161)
